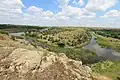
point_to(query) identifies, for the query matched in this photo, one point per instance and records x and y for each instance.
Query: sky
(83, 13)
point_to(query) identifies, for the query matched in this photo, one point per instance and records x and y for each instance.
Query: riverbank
(108, 48)
(109, 42)
(107, 53)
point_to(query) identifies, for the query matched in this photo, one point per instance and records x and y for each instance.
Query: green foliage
(103, 42)
(71, 36)
(109, 43)
(114, 33)
(61, 44)
(83, 55)
(107, 68)
(19, 28)
(4, 32)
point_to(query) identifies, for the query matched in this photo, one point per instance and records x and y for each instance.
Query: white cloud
(111, 18)
(39, 12)
(11, 11)
(100, 5)
(112, 14)
(79, 2)
(11, 6)
(63, 3)
(34, 15)
(70, 12)
(34, 9)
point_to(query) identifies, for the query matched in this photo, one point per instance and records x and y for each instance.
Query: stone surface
(23, 64)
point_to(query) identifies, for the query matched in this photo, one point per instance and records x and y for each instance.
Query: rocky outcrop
(23, 64)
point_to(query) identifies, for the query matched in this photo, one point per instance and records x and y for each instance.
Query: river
(17, 34)
(107, 53)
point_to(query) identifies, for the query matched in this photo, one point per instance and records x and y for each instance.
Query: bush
(61, 44)
(4, 32)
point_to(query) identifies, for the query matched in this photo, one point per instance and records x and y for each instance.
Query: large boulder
(23, 64)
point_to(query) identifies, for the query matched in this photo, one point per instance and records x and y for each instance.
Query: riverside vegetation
(68, 40)
(108, 38)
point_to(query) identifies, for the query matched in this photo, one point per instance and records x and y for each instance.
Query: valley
(89, 45)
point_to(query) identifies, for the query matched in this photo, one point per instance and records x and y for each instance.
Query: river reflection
(105, 52)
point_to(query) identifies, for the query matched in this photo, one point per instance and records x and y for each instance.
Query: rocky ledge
(23, 64)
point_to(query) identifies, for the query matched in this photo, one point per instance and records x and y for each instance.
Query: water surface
(17, 34)
(108, 53)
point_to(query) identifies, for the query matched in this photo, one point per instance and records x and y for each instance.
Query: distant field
(18, 28)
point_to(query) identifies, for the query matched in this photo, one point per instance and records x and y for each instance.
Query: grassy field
(109, 42)
(107, 68)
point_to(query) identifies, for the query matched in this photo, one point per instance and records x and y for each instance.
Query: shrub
(61, 44)
(4, 32)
